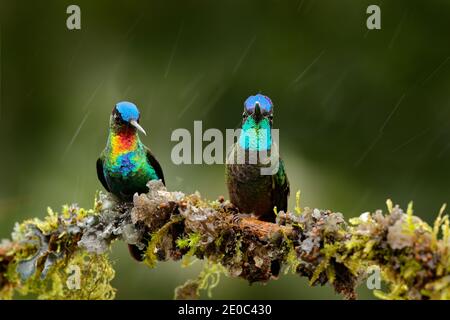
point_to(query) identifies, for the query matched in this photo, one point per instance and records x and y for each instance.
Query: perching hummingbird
(126, 164)
(250, 190)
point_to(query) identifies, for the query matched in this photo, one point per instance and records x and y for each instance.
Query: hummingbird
(126, 165)
(250, 190)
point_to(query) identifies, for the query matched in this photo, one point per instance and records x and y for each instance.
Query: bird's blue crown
(264, 103)
(128, 110)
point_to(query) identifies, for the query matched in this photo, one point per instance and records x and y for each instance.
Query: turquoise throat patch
(256, 136)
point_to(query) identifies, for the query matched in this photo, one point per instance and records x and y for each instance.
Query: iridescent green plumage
(249, 189)
(126, 164)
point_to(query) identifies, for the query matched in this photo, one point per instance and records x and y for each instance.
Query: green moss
(210, 276)
(156, 238)
(298, 209)
(47, 259)
(410, 226)
(328, 252)
(292, 261)
(208, 279)
(191, 242)
(390, 205)
(409, 268)
(83, 277)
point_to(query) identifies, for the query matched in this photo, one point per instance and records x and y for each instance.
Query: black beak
(257, 115)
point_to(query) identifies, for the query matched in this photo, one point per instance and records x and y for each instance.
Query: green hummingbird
(249, 189)
(126, 165)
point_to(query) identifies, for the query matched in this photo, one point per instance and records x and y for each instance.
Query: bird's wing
(280, 192)
(155, 164)
(100, 174)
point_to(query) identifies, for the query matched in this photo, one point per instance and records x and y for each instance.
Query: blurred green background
(364, 115)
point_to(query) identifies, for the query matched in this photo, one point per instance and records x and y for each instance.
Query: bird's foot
(227, 206)
(239, 216)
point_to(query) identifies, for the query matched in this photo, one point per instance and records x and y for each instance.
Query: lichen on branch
(318, 244)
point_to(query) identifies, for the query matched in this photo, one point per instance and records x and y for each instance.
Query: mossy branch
(412, 256)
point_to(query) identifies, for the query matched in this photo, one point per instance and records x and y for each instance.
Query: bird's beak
(257, 115)
(137, 126)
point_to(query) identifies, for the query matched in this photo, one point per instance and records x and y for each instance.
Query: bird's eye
(244, 114)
